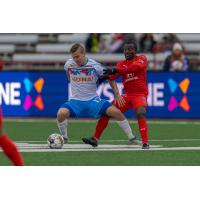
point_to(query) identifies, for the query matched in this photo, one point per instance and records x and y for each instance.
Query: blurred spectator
(147, 43)
(168, 41)
(92, 43)
(177, 61)
(1, 64)
(105, 41)
(116, 44)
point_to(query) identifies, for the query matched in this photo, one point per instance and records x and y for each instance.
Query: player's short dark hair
(77, 46)
(133, 43)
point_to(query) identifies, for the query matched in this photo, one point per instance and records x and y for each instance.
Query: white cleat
(135, 141)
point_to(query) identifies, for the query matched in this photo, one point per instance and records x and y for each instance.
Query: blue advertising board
(40, 94)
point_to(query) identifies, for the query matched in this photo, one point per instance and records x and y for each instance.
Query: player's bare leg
(142, 125)
(62, 122)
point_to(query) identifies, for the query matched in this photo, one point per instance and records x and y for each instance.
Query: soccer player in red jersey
(133, 72)
(9, 148)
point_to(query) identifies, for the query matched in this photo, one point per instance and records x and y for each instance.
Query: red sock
(143, 128)
(101, 125)
(10, 150)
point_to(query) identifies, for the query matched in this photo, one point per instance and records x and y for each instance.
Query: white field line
(83, 147)
(94, 121)
(113, 149)
(75, 141)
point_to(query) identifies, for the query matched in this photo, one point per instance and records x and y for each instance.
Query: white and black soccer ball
(55, 141)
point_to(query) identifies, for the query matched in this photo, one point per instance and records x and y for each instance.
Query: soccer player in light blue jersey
(83, 74)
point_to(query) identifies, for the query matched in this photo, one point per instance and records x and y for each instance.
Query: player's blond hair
(76, 47)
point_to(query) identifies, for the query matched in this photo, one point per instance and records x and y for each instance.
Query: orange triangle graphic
(184, 85)
(184, 104)
(39, 103)
(39, 85)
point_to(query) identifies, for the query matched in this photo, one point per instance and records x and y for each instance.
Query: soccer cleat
(145, 146)
(135, 141)
(92, 141)
(65, 140)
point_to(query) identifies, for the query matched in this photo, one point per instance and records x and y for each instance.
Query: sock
(143, 129)
(101, 125)
(63, 128)
(10, 150)
(126, 128)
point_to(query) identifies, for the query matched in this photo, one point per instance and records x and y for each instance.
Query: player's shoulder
(69, 62)
(121, 62)
(142, 57)
(93, 62)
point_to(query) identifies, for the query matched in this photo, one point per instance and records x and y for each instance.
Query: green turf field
(167, 134)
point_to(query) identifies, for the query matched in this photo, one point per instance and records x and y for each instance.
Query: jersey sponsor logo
(125, 66)
(141, 61)
(130, 77)
(81, 79)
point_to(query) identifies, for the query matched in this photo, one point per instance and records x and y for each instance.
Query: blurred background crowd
(165, 51)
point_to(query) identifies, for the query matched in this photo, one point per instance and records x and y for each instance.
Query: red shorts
(132, 101)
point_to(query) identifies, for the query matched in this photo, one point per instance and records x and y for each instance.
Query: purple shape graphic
(172, 104)
(28, 102)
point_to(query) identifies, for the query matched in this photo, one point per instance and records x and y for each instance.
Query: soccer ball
(55, 141)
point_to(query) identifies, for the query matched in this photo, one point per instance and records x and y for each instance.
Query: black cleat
(145, 146)
(65, 140)
(92, 141)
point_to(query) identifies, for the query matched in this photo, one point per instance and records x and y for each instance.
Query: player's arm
(118, 98)
(66, 67)
(131, 68)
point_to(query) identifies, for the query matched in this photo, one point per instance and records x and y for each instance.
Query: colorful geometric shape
(184, 104)
(184, 85)
(39, 103)
(28, 102)
(39, 85)
(28, 85)
(172, 85)
(172, 104)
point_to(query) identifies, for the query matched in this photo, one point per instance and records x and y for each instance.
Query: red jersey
(133, 74)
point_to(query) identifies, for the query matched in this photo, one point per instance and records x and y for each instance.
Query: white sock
(63, 128)
(126, 128)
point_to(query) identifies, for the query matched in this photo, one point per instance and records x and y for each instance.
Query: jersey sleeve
(114, 76)
(99, 69)
(67, 64)
(135, 66)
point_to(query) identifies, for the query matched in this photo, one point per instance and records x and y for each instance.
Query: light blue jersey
(83, 79)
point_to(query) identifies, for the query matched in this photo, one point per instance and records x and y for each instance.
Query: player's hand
(120, 101)
(110, 71)
(102, 78)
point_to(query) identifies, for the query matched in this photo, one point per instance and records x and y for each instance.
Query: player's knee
(62, 114)
(141, 112)
(115, 113)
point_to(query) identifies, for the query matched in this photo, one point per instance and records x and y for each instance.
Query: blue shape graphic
(28, 85)
(172, 85)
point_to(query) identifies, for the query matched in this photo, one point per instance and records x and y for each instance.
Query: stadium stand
(50, 51)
